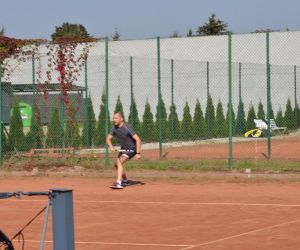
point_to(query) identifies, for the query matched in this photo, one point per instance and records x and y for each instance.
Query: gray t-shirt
(124, 135)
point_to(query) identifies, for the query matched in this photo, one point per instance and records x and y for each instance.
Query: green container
(26, 113)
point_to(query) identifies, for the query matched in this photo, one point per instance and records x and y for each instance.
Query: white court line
(171, 203)
(239, 235)
(115, 243)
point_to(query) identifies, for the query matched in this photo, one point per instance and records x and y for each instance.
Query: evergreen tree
(55, 130)
(69, 30)
(164, 121)
(133, 117)
(289, 116)
(187, 124)
(35, 135)
(173, 124)
(214, 26)
(101, 136)
(119, 107)
(16, 138)
(148, 126)
(89, 126)
(210, 117)
(250, 124)
(240, 127)
(200, 129)
(190, 33)
(297, 116)
(220, 129)
(72, 128)
(280, 119)
(233, 121)
(261, 113)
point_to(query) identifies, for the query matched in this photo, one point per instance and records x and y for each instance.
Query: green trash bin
(26, 113)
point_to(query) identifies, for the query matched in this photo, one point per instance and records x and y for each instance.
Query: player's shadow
(135, 183)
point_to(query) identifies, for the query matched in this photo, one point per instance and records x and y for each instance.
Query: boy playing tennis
(130, 146)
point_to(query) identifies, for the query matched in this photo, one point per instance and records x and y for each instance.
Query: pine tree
(261, 113)
(289, 115)
(133, 117)
(55, 130)
(210, 117)
(148, 126)
(187, 124)
(297, 116)
(173, 124)
(280, 119)
(89, 126)
(164, 121)
(35, 135)
(72, 128)
(119, 107)
(200, 129)
(101, 136)
(240, 127)
(233, 121)
(16, 138)
(220, 129)
(250, 124)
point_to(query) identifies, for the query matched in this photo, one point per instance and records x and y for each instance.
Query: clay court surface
(163, 213)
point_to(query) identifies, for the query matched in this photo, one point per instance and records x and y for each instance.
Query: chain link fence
(221, 97)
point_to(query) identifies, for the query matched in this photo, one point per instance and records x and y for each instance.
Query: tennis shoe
(116, 186)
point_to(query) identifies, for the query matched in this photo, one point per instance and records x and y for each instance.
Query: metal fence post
(131, 90)
(207, 78)
(172, 99)
(240, 81)
(63, 219)
(106, 101)
(86, 113)
(1, 112)
(268, 91)
(230, 163)
(295, 92)
(159, 98)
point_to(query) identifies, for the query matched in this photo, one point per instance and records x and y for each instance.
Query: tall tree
(55, 130)
(116, 36)
(200, 129)
(101, 136)
(175, 34)
(220, 130)
(261, 113)
(233, 121)
(72, 128)
(89, 126)
(173, 123)
(187, 123)
(250, 124)
(164, 121)
(69, 30)
(289, 117)
(240, 119)
(119, 106)
(190, 33)
(16, 138)
(133, 117)
(2, 31)
(279, 118)
(210, 117)
(148, 126)
(35, 135)
(214, 26)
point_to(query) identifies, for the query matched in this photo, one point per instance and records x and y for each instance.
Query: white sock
(119, 182)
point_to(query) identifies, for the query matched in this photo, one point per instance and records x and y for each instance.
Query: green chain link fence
(193, 98)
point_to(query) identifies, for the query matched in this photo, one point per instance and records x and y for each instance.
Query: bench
(262, 124)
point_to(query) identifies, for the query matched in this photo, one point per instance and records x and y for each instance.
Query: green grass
(261, 166)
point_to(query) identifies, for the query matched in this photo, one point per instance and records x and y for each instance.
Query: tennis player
(130, 147)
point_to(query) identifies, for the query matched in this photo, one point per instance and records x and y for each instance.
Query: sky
(138, 19)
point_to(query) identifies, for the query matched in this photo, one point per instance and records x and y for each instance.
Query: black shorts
(129, 153)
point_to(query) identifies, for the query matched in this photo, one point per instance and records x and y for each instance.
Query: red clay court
(163, 214)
